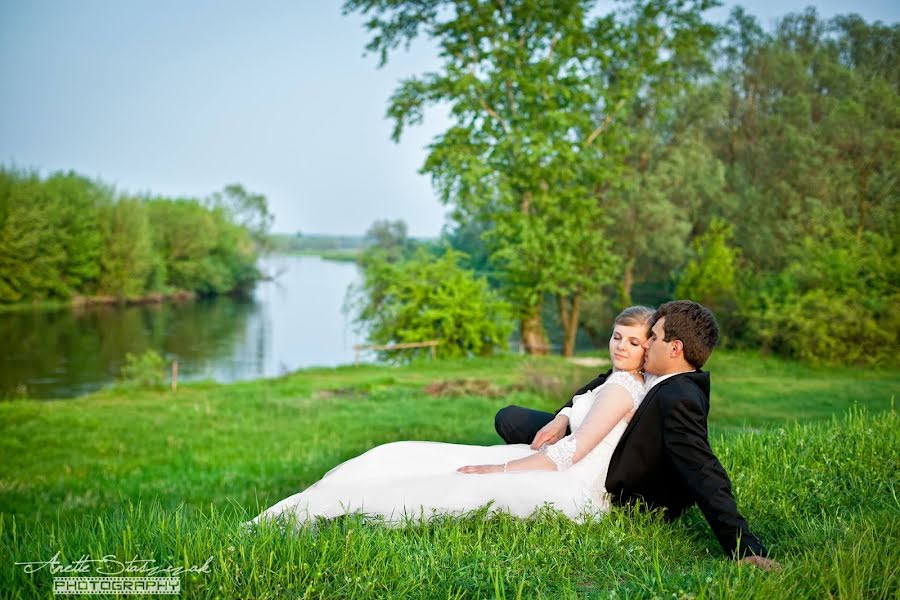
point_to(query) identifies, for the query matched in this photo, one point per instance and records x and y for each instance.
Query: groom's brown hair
(693, 324)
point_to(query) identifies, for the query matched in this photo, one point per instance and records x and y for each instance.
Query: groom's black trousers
(519, 425)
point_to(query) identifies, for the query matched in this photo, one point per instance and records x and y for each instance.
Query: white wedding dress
(403, 480)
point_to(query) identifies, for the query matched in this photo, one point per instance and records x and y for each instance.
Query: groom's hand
(766, 564)
(551, 433)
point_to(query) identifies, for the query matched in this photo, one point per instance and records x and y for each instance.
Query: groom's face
(656, 355)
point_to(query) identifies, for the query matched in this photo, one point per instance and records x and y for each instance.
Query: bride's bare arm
(613, 403)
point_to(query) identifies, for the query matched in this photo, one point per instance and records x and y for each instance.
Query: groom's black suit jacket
(664, 460)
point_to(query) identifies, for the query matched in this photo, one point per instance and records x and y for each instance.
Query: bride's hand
(481, 469)
(551, 433)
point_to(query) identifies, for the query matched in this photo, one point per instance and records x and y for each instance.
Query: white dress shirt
(651, 380)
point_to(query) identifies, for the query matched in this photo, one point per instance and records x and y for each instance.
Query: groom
(663, 458)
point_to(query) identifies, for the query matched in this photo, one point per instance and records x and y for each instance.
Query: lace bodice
(563, 452)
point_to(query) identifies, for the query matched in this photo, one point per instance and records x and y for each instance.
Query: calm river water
(294, 321)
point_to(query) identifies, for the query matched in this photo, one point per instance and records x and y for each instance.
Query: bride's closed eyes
(633, 341)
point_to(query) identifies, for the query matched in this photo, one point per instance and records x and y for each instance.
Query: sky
(183, 97)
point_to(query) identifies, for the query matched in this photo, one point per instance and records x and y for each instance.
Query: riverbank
(812, 454)
(76, 302)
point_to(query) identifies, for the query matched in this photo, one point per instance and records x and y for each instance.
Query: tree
(185, 235)
(654, 209)
(250, 211)
(31, 255)
(77, 204)
(202, 248)
(537, 94)
(468, 238)
(128, 256)
(388, 240)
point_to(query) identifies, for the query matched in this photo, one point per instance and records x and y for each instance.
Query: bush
(145, 370)
(427, 297)
(710, 277)
(834, 304)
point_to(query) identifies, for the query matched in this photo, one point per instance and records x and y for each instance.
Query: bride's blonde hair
(635, 315)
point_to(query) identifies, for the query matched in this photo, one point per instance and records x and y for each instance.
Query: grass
(813, 455)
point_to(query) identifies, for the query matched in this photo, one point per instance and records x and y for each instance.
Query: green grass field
(813, 455)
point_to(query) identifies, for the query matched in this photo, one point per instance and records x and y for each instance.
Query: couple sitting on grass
(635, 433)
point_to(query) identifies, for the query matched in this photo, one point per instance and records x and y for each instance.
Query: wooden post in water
(174, 375)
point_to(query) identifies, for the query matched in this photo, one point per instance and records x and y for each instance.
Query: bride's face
(626, 348)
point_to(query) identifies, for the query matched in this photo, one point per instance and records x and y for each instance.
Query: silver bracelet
(504, 467)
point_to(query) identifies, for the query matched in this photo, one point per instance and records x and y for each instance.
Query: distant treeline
(66, 235)
(314, 242)
(346, 248)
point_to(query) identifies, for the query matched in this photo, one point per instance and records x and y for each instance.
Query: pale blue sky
(183, 97)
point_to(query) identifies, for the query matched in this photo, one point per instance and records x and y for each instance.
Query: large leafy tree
(537, 94)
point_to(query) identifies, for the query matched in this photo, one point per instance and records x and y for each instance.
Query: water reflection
(292, 322)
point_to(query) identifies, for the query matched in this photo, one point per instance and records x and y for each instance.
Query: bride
(415, 479)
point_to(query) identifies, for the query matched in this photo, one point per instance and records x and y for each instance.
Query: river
(293, 321)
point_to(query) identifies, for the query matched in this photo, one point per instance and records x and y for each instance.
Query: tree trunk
(597, 337)
(531, 329)
(628, 283)
(568, 316)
